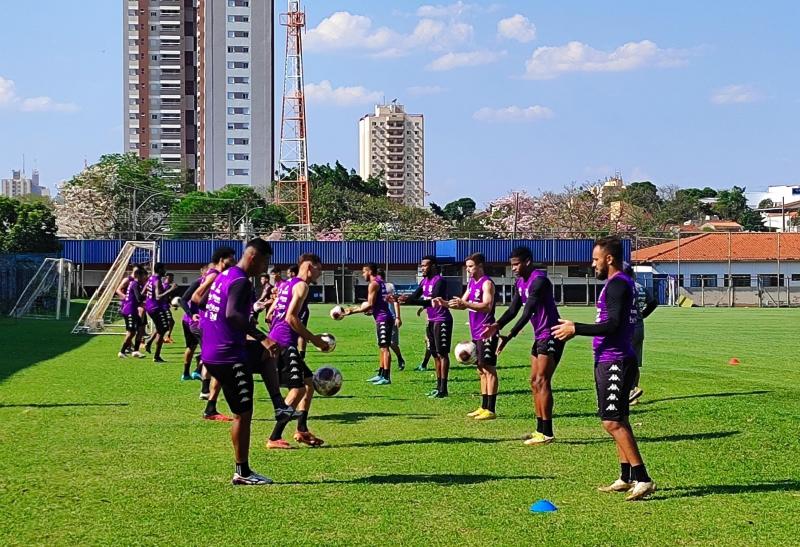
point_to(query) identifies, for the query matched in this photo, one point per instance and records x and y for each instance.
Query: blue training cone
(543, 506)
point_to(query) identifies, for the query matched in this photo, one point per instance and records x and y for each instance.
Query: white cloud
(513, 114)
(550, 62)
(449, 61)
(343, 30)
(418, 90)
(736, 94)
(452, 10)
(10, 99)
(517, 27)
(325, 93)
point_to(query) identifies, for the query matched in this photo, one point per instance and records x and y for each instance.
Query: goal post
(47, 295)
(102, 315)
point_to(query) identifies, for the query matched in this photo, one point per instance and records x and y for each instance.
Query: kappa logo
(611, 407)
(614, 378)
(245, 399)
(239, 374)
(614, 368)
(613, 387)
(294, 377)
(244, 392)
(241, 383)
(294, 362)
(611, 397)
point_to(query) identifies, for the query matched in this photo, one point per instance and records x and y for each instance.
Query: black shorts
(237, 385)
(487, 351)
(192, 340)
(160, 320)
(548, 346)
(440, 336)
(132, 321)
(292, 368)
(614, 382)
(384, 333)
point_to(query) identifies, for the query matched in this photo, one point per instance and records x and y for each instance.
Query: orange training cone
(734, 361)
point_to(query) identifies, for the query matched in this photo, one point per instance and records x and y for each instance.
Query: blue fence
(197, 252)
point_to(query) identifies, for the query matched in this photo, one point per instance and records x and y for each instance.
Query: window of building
(739, 280)
(238, 80)
(238, 172)
(238, 95)
(238, 3)
(154, 146)
(795, 277)
(239, 110)
(238, 125)
(770, 280)
(239, 141)
(154, 57)
(702, 280)
(238, 34)
(238, 19)
(238, 64)
(238, 49)
(239, 157)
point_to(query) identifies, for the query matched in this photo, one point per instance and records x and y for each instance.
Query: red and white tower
(291, 189)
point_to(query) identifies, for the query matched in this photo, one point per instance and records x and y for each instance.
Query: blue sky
(516, 95)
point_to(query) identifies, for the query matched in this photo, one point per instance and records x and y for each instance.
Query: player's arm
(415, 299)
(158, 289)
(651, 304)
(373, 293)
(487, 300)
(200, 295)
(536, 292)
(123, 288)
(511, 312)
(617, 293)
(397, 319)
(187, 296)
(300, 293)
(460, 302)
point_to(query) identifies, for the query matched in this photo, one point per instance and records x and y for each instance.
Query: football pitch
(97, 450)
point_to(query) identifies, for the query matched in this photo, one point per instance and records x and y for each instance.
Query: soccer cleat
(441, 395)
(305, 437)
(217, 417)
(635, 394)
(137, 354)
(433, 394)
(196, 376)
(158, 359)
(538, 438)
(280, 444)
(421, 368)
(122, 355)
(374, 379)
(185, 377)
(169, 340)
(253, 479)
(204, 396)
(401, 365)
(382, 382)
(618, 485)
(475, 412)
(641, 490)
(486, 415)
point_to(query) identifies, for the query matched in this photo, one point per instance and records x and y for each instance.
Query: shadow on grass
(713, 489)
(555, 391)
(28, 342)
(706, 395)
(441, 480)
(57, 405)
(662, 439)
(430, 440)
(356, 417)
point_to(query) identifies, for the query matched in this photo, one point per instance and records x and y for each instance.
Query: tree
(455, 211)
(27, 227)
(766, 204)
(732, 204)
(643, 195)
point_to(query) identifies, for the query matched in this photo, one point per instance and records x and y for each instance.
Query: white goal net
(47, 295)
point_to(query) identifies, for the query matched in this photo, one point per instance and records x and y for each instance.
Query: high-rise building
(392, 146)
(235, 93)
(19, 185)
(160, 80)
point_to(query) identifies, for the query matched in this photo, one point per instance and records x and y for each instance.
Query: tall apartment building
(235, 93)
(160, 81)
(19, 185)
(392, 146)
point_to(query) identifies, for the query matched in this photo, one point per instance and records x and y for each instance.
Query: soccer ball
(337, 313)
(176, 302)
(327, 381)
(466, 353)
(330, 339)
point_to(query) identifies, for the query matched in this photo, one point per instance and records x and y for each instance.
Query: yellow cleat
(486, 415)
(475, 412)
(538, 438)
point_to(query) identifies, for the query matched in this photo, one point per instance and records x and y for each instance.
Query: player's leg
(482, 380)
(303, 435)
(291, 376)
(444, 337)
(430, 334)
(423, 366)
(384, 341)
(395, 345)
(487, 361)
(638, 348)
(162, 326)
(191, 343)
(170, 327)
(130, 333)
(211, 413)
(380, 338)
(261, 362)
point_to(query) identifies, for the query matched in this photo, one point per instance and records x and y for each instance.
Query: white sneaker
(641, 490)
(254, 479)
(122, 355)
(618, 485)
(204, 396)
(137, 354)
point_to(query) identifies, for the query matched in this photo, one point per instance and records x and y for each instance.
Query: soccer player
(292, 272)
(479, 300)
(645, 304)
(265, 299)
(286, 329)
(226, 325)
(440, 321)
(169, 287)
(377, 306)
(222, 259)
(153, 291)
(130, 292)
(614, 363)
(535, 291)
(394, 309)
(191, 329)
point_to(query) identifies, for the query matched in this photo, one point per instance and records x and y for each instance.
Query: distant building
(392, 146)
(19, 185)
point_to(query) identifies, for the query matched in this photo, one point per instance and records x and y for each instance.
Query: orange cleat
(305, 437)
(279, 444)
(217, 417)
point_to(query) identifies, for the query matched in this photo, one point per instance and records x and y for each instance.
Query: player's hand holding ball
(330, 340)
(337, 313)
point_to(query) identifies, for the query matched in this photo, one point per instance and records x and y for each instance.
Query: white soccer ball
(327, 381)
(176, 302)
(330, 339)
(466, 352)
(337, 313)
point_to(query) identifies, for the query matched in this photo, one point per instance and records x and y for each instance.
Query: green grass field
(94, 450)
